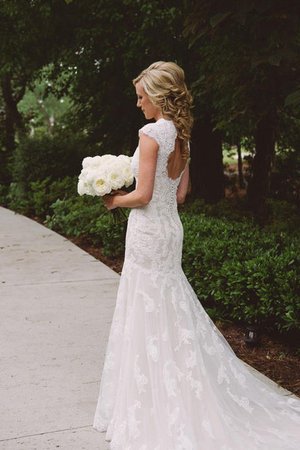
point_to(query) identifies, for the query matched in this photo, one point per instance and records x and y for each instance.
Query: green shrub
(37, 199)
(44, 193)
(4, 189)
(18, 199)
(87, 216)
(74, 216)
(284, 215)
(285, 184)
(242, 273)
(46, 156)
(110, 233)
(284, 218)
(234, 209)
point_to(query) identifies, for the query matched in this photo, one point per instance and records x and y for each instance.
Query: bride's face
(150, 111)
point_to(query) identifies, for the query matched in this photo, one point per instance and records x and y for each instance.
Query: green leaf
(219, 18)
(275, 59)
(293, 99)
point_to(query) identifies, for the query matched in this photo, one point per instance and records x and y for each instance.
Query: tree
(250, 57)
(114, 42)
(30, 33)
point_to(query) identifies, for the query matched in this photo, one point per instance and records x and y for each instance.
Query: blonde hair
(164, 83)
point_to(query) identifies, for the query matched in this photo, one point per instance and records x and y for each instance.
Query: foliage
(243, 273)
(3, 194)
(285, 179)
(114, 42)
(17, 199)
(41, 110)
(39, 195)
(74, 216)
(284, 216)
(230, 209)
(45, 192)
(45, 156)
(86, 216)
(247, 55)
(32, 34)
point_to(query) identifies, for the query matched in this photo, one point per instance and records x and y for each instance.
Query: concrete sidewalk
(56, 304)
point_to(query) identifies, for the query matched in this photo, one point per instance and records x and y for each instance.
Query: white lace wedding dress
(170, 379)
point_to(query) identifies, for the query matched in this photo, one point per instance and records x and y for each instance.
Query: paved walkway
(56, 304)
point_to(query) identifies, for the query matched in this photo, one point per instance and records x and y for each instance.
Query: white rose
(84, 188)
(83, 173)
(81, 187)
(96, 161)
(86, 162)
(108, 161)
(128, 181)
(92, 173)
(127, 174)
(124, 158)
(115, 179)
(101, 185)
(107, 158)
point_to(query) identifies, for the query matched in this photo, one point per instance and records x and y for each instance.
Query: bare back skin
(176, 163)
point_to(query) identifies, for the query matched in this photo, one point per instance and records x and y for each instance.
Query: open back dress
(170, 380)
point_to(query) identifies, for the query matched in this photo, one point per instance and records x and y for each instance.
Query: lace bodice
(164, 193)
(156, 243)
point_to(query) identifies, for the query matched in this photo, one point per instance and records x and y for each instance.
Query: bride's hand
(110, 199)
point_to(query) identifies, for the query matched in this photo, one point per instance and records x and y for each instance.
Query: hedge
(243, 273)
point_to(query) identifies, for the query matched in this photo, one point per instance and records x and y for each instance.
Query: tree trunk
(12, 121)
(207, 176)
(240, 167)
(259, 184)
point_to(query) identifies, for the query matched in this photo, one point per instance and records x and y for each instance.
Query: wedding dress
(170, 380)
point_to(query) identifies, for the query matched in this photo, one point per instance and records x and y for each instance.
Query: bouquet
(101, 175)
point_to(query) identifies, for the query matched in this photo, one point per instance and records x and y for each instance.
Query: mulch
(273, 356)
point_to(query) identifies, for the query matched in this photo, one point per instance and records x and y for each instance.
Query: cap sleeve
(150, 130)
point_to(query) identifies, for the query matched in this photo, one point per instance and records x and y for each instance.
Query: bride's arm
(142, 195)
(183, 185)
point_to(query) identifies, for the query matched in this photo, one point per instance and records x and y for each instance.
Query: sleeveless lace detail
(170, 380)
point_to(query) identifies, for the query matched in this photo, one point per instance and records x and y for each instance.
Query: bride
(170, 380)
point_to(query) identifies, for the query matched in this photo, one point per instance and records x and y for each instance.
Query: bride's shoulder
(158, 129)
(150, 126)
(152, 130)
